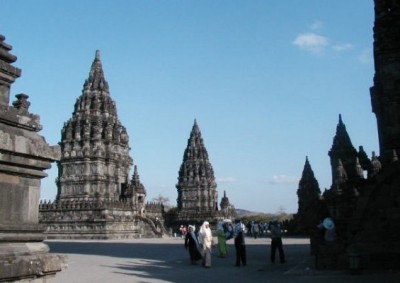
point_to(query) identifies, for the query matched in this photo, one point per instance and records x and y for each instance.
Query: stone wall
(95, 220)
(24, 155)
(374, 230)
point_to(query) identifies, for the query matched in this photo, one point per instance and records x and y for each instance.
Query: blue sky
(266, 81)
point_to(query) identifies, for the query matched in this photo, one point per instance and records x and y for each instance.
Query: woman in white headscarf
(207, 240)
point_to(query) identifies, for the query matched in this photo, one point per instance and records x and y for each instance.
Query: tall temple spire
(342, 141)
(196, 182)
(308, 194)
(195, 130)
(95, 160)
(308, 186)
(307, 171)
(96, 80)
(342, 149)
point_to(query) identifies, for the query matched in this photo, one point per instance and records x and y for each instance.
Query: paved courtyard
(166, 260)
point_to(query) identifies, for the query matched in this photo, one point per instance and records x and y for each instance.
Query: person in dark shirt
(240, 245)
(275, 230)
(192, 244)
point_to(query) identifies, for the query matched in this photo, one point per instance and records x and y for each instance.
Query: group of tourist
(200, 242)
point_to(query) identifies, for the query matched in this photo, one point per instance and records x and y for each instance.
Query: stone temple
(197, 189)
(24, 155)
(95, 159)
(364, 198)
(95, 198)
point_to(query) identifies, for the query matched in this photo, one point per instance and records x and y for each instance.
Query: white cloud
(311, 42)
(342, 47)
(366, 56)
(225, 180)
(316, 25)
(283, 179)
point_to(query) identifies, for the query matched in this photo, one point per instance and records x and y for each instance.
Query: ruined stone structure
(385, 94)
(197, 190)
(24, 155)
(364, 199)
(95, 198)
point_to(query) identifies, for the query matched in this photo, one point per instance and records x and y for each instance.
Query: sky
(265, 80)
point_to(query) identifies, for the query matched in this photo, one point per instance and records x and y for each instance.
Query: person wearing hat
(275, 230)
(329, 226)
(240, 245)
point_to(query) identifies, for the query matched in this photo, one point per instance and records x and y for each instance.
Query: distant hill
(243, 212)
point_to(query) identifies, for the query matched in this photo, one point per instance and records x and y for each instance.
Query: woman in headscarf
(221, 239)
(192, 244)
(207, 240)
(224, 233)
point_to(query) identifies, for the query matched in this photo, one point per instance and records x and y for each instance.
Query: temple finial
(96, 80)
(97, 56)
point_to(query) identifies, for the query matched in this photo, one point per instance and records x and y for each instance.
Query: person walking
(275, 229)
(192, 244)
(240, 245)
(255, 230)
(207, 241)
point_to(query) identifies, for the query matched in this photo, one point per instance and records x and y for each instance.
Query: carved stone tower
(197, 189)
(310, 205)
(95, 159)
(308, 191)
(342, 152)
(24, 155)
(385, 94)
(95, 199)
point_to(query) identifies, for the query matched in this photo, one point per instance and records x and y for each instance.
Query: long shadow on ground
(169, 262)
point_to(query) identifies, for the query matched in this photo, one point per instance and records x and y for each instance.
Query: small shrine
(197, 189)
